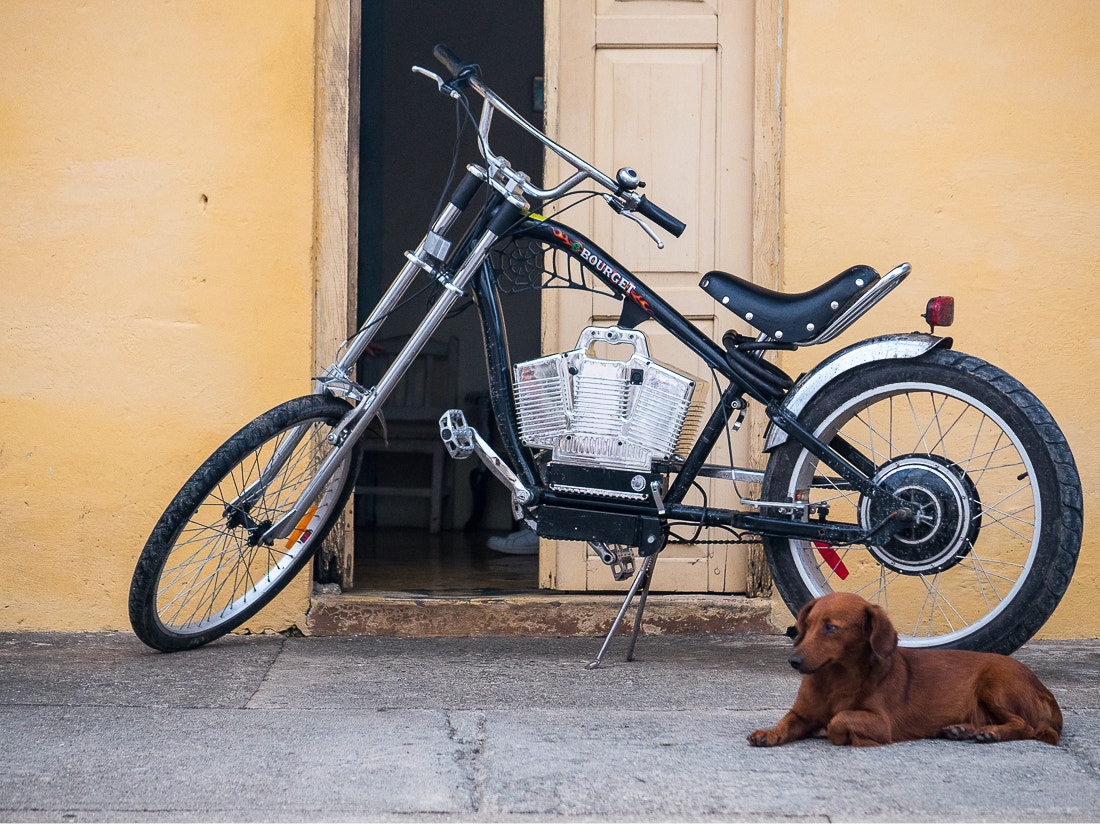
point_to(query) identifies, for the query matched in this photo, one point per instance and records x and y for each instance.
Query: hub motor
(947, 514)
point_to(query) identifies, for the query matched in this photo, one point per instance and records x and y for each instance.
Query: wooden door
(667, 87)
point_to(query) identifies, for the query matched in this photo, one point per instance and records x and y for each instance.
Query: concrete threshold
(530, 614)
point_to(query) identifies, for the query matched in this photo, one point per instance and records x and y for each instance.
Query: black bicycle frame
(642, 303)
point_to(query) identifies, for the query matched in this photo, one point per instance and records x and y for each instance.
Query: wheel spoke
(180, 592)
(944, 433)
(938, 600)
(880, 595)
(985, 579)
(1004, 517)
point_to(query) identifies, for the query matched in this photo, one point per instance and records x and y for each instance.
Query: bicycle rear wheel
(203, 570)
(989, 475)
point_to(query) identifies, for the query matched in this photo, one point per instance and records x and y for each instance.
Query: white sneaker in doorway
(520, 543)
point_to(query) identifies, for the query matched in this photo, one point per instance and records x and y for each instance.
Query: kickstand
(641, 580)
(647, 569)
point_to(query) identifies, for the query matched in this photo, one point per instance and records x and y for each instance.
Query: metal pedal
(619, 557)
(457, 435)
(462, 441)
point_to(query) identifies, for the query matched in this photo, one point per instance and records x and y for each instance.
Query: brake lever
(622, 209)
(443, 87)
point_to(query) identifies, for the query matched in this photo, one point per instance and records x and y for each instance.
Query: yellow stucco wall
(156, 231)
(965, 139)
(157, 170)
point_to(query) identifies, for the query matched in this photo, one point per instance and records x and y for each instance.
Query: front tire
(986, 469)
(202, 571)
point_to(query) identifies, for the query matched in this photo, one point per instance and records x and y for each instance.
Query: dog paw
(957, 732)
(763, 738)
(985, 737)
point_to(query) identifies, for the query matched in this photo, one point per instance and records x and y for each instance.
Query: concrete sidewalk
(266, 728)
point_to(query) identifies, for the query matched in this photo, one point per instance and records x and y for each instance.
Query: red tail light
(940, 311)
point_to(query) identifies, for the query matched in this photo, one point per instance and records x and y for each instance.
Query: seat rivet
(748, 316)
(859, 282)
(809, 327)
(726, 300)
(835, 305)
(779, 333)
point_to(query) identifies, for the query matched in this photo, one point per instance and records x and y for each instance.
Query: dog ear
(800, 622)
(881, 632)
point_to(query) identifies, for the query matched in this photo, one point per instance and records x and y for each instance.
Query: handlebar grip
(454, 64)
(663, 219)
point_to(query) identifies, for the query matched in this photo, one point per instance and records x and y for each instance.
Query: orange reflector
(940, 311)
(301, 528)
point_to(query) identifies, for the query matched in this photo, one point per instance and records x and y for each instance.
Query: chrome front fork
(429, 250)
(337, 378)
(368, 402)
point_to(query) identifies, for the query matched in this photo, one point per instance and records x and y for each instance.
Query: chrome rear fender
(883, 348)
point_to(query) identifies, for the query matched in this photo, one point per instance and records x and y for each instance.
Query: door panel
(666, 87)
(655, 111)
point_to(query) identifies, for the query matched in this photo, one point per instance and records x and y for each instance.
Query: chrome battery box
(595, 412)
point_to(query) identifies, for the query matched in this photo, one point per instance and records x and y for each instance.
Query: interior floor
(411, 560)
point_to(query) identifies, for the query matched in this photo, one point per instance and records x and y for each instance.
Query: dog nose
(795, 660)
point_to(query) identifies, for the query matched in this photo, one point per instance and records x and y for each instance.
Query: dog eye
(829, 627)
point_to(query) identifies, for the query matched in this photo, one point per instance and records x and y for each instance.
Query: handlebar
(671, 224)
(459, 69)
(463, 74)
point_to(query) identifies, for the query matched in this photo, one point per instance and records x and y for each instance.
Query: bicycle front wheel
(204, 570)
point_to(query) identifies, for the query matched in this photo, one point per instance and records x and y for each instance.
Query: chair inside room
(428, 389)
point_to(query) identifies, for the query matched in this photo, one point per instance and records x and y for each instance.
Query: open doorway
(423, 524)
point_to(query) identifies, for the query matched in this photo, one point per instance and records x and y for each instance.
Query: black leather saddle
(789, 318)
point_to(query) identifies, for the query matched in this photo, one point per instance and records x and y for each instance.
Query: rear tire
(201, 573)
(984, 464)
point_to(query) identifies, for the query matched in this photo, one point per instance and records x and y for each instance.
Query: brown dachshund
(862, 689)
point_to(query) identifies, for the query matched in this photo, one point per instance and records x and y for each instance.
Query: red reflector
(832, 559)
(940, 312)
